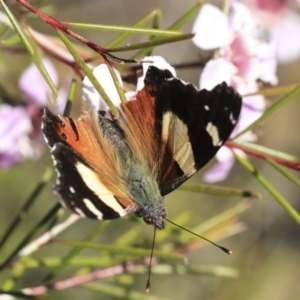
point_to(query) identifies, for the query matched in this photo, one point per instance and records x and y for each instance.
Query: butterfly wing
(110, 168)
(190, 125)
(89, 176)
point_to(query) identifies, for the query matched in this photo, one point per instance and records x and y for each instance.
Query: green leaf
(218, 271)
(88, 72)
(71, 96)
(222, 218)
(190, 269)
(27, 205)
(116, 249)
(57, 262)
(218, 190)
(226, 6)
(129, 236)
(187, 16)
(271, 110)
(116, 81)
(13, 40)
(31, 47)
(274, 91)
(18, 28)
(16, 273)
(116, 291)
(124, 29)
(127, 35)
(33, 233)
(75, 251)
(270, 189)
(175, 26)
(262, 150)
(157, 19)
(285, 172)
(152, 43)
(123, 37)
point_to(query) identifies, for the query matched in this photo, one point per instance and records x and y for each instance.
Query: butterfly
(109, 167)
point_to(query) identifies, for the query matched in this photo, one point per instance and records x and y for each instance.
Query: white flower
(280, 24)
(211, 27)
(89, 93)
(158, 62)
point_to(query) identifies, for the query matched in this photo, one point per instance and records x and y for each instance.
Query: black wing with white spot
(192, 125)
(73, 189)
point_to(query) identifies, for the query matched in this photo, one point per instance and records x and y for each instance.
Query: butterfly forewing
(191, 125)
(91, 189)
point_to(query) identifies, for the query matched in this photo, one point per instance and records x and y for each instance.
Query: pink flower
(34, 86)
(20, 132)
(241, 60)
(15, 127)
(280, 24)
(37, 91)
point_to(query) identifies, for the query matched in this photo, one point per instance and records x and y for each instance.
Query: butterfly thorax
(145, 193)
(138, 176)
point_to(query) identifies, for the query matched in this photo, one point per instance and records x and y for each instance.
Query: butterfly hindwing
(76, 189)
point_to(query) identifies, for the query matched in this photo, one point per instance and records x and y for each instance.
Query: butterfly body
(109, 167)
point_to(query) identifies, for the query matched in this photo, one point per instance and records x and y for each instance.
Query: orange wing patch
(138, 123)
(85, 138)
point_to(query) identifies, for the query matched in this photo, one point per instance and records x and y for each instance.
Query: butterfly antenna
(148, 286)
(220, 247)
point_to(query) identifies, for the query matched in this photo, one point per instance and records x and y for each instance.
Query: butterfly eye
(148, 220)
(164, 213)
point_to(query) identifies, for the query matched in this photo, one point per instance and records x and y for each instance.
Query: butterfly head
(153, 213)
